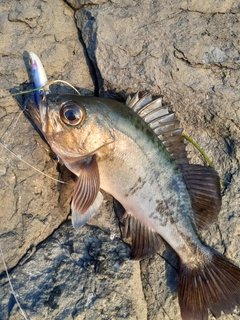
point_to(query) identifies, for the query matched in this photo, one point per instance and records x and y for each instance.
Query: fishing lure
(38, 75)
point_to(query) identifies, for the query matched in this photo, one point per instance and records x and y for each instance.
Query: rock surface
(186, 50)
(26, 27)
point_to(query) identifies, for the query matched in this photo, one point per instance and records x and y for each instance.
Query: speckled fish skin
(146, 182)
(109, 146)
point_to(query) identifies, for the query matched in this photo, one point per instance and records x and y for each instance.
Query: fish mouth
(38, 113)
(48, 115)
(43, 106)
(34, 114)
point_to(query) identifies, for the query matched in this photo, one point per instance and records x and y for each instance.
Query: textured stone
(188, 51)
(77, 4)
(77, 275)
(29, 207)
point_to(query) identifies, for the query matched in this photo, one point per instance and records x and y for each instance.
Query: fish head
(74, 127)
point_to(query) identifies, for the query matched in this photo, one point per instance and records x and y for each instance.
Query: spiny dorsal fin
(144, 241)
(164, 125)
(202, 181)
(141, 103)
(132, 101)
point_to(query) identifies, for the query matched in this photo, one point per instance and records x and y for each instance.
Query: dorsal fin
(202, 182)
(141, 103)
(164, 125)
(132, 101)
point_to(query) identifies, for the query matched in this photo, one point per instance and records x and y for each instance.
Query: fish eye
(72, 114)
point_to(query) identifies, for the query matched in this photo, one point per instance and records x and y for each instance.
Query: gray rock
(29, 207)
(76, 275)
(188, 51)
(77, 4)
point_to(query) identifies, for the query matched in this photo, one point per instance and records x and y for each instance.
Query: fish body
(38, 74)
(137, 154)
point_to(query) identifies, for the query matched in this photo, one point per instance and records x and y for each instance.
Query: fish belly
(151, 188)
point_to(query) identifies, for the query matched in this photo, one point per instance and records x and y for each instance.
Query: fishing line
(194, 143)
(20, 158)
(45, 87)
(24, 92)
(28, 164)
(11, 286)
(60, 81)
(10, 131)
(29, 91)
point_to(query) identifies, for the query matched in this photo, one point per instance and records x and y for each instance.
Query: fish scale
(137, 154)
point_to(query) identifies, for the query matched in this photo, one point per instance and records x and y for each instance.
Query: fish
(38, 74)
(136, 153)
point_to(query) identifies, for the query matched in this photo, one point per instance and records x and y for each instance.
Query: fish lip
(43, 98)
(43, 105)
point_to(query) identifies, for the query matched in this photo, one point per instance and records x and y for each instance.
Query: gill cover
(75, 127)
(79, 131)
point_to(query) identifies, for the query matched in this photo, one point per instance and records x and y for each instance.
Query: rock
(190, 53)
(29, 208)
(77, 4)
(77, 275)
(186, 50)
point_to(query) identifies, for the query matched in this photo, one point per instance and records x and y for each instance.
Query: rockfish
(137, 154)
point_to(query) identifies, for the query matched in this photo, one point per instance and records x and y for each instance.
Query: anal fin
(144, 241)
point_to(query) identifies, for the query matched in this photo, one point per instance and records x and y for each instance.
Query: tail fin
(214, 286)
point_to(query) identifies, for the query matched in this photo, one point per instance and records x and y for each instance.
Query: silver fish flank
(137, 154)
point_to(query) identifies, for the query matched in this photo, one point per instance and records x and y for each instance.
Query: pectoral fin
(144, 241)
(78, 219)
(86, 196)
